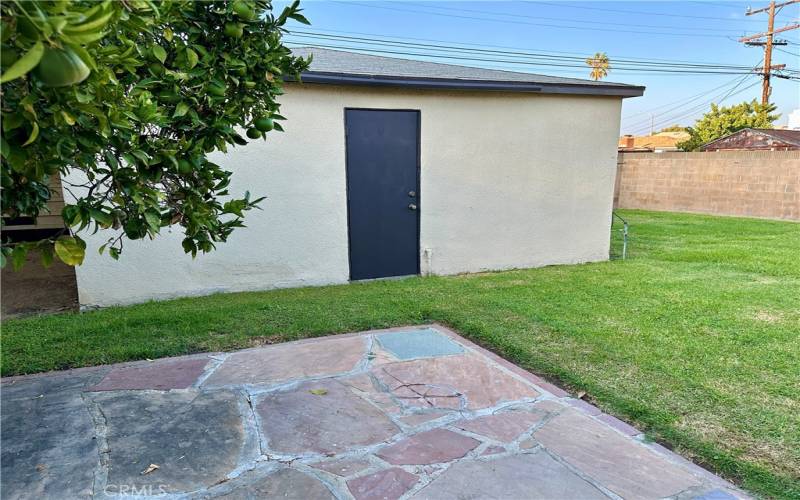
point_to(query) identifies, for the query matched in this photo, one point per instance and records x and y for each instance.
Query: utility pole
(766, 90)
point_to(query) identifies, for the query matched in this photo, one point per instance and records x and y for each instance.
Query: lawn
(695, 338)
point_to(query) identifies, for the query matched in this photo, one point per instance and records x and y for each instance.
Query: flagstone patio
(415, 412)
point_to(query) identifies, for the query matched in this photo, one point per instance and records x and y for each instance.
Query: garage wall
(508, 180)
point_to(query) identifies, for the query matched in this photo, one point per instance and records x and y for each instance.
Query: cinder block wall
(747, 183)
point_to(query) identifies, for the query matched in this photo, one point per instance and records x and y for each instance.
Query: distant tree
(599, 65)
(722, 121)
(674, 128)
(129, 98)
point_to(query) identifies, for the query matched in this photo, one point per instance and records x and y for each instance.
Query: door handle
(411, 206)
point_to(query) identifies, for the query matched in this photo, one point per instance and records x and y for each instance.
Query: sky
(503, 34)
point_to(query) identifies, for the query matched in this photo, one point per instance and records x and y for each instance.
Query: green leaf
(189, 246)
(191, 58)
(46, 252)
(70, 250)
(24, 64)
(102, 218)
(33, 136)
(153, 218)
(318, 392)
(300, 18)
(18, 256)
(92, 25)
(82, 38)
(141, 155)
(68, 118)
(181, 109)
(111, 159)
(71, 215)
(160, 53)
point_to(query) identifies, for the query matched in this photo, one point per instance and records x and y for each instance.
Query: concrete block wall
(744, 183)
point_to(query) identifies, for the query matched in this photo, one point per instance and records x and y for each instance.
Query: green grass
(695, 338)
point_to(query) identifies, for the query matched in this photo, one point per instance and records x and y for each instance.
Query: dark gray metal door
(383, 192)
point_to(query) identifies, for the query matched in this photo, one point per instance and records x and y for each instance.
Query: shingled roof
(756, 139)
(352, 68)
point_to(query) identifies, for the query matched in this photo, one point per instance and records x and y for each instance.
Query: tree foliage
(131, 96)
(722, 121)
(600, 66)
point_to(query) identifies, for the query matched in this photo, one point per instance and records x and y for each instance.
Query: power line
(787, 52)
(681, 101)
(733, 84)
(510, 21)
(691, 111)
(681, 108)
(512, 48)
(605, 23)
(715, 3)
(522, 62)
(528, 58)
(508, 53)
(571, 6)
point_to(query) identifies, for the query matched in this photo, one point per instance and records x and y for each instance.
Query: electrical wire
(511, 61)
(727, 89)
(619, 11)
(690, 112)
(511, 53)
(513, 48)
(681, 101)
(519, 22)
(526, 62)
(527, 16)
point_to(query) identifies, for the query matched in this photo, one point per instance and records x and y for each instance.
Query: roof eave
(465, 84)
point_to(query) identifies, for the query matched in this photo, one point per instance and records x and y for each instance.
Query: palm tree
(599, 64)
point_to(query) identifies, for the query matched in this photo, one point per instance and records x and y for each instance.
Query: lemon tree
(126, 100)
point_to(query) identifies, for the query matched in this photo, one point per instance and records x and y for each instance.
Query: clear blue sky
(700, 31)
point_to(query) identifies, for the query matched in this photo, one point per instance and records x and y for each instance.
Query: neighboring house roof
(663, 140)
(755, 139)
(351, 68)
(680, 135)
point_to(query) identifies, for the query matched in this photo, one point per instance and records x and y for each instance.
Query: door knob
(411, 206)
(412, 193)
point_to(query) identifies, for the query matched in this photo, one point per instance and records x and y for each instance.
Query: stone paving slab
(466, 381)
(622, 465)
(195, 438)
(404, 413)
(430, 447)
(285, 484)
(48, 447)
(344, 468)
(162, 375)
(388, 484)
(504, 427)
(33, 386)
(535, 476)
(297, 360)
(321, 417)
(423, 343)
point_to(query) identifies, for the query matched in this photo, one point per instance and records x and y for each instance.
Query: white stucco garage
(394, 167)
